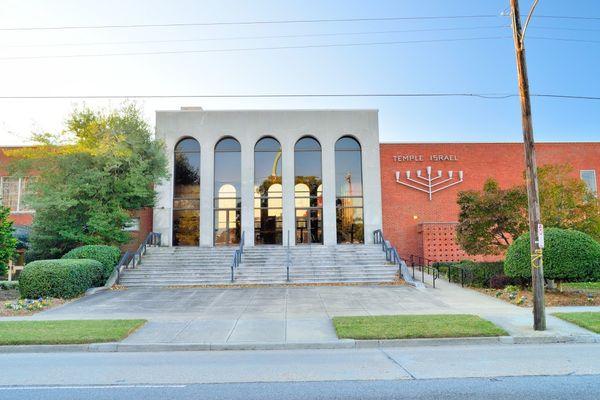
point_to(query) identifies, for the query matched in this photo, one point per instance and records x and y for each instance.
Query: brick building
(418, 225)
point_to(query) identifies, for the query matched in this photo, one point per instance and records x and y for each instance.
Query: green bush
(107, 255)
(568, 255)
(477, 274)
(59, 278)
(7, 285)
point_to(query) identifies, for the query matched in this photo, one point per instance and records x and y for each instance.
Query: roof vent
(192, 109)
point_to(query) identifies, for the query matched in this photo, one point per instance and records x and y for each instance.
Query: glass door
(309, 226)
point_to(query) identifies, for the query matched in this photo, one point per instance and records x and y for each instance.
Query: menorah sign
(430, 184)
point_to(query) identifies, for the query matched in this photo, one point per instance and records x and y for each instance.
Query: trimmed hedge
(59, 278)
(476, 274)
(568, 255)
(107, 255)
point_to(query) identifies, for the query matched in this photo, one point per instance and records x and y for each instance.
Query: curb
(339, 344)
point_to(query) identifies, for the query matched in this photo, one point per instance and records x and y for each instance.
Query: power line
(564, 39)
(576, 17)
(260, 22)
(325, 34)
(488, 96)
(146, 53)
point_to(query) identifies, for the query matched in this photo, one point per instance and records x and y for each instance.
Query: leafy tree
(490, 219)
(91, 176)
(8, 243)
(566, 202)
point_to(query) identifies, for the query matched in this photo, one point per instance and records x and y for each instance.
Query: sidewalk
(295, 317)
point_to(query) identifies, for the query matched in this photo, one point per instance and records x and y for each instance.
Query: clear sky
(479, 66)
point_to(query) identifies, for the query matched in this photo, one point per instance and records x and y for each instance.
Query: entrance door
(309, 226)
(227, 227)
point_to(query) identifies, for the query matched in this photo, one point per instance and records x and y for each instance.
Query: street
(547, 387)
(554, 371)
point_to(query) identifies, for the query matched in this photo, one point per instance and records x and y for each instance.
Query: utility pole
(536, 230)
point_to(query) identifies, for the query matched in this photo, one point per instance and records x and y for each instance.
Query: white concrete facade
(287, 126)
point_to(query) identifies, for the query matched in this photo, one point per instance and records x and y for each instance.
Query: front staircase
(194, 266)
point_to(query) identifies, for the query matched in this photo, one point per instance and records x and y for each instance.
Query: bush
(477, 274)
(7, 285)
(568, 255)
(108, 256)
(500, 281)
(59, 278)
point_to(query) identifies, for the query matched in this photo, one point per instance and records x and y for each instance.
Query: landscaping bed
(67, 331)
(553, 298)
(11, 305)
(587, 320)
(414, 326)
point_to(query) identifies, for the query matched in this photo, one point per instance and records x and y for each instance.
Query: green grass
(414, 326)
(67, 331)
(587, 320)
(591, 286)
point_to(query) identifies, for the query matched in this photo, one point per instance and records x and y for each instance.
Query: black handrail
(123, 263)
(391, 255)
(237, 255)
(288, 258)
(153, 239)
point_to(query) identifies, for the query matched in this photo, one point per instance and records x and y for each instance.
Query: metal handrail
(237, 256)
(422, 263)
(288, 258)
(391, 255)
(132, 259)
(153, 239)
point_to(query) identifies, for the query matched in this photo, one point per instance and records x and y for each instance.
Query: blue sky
(479, 66)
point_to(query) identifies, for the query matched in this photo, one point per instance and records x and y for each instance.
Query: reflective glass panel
(186, 193)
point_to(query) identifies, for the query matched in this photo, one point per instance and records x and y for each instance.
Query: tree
(490, 219)
(91, 176)
(566, 202)
(8, 243)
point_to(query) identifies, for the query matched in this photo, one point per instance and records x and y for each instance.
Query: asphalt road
(553, 371)
(544, 387)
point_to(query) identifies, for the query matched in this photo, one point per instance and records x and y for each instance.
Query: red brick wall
(408, 214)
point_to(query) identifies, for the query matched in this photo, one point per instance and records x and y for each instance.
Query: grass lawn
(414, 326)
(591, 286)
(587, 320)
(67, 332)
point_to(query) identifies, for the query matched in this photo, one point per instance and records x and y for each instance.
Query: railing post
(462, 277)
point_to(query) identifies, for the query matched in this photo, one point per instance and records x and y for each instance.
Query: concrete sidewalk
(292, 317)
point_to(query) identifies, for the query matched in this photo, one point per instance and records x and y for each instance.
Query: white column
(206, 193)
(247, 194)
(329, 217)
(287, 179)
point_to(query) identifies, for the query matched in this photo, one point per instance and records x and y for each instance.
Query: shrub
(108, 256)
(477, 274)
(499, 281)
(568, 255)
(7, 285)
(59, 278)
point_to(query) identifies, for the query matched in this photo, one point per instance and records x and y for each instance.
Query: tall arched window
(308, 191)
(227, 192)
(186, 193)
(348, 191)
(268, 200)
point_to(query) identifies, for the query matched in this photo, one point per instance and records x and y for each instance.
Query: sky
(482, 65)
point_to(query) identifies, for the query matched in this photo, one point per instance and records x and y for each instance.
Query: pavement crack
(397, 364)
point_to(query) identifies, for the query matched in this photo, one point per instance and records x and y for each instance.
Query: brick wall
(417, 225)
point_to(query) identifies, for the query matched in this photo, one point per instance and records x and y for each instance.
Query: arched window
(186, 193)
(227, 192)
(348, 191)
(308, 191)
(268, 194)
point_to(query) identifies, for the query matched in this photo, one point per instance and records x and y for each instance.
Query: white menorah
(430, 184)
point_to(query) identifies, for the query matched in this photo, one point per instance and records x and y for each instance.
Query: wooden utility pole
(536, 230)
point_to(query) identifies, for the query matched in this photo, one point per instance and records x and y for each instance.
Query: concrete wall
(287, 126)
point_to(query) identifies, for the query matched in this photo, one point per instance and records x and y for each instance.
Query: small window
(589, 177)
(133, 225)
